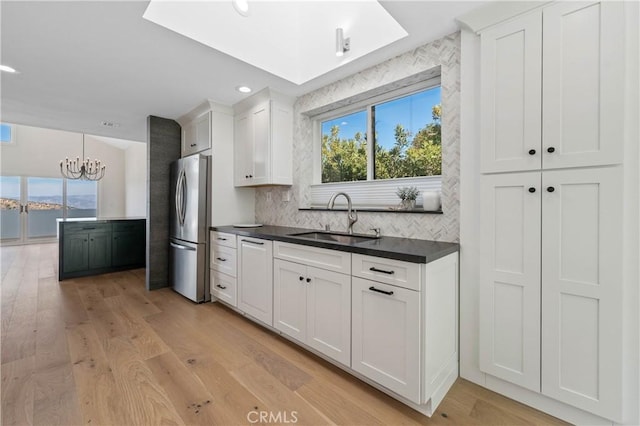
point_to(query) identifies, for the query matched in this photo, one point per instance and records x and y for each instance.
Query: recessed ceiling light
(110, 124)
(243, 89)
(241, 6)
(7, 68)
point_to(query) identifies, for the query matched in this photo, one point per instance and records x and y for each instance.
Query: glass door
(44, 205)
(31, 207)
(11, 207)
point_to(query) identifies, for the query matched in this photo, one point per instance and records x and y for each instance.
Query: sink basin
(338, 238)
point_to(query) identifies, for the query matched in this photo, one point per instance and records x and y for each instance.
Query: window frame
(11, 141)
(363, 105)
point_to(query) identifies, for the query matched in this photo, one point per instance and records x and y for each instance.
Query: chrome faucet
(352, 214)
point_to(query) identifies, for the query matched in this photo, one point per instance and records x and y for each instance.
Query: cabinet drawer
(332, 260)
(129, 225)
(389, 271)
(223, 239)
(223, 259)
(224, 287)
(87, 226)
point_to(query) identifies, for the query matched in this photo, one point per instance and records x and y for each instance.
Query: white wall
(279, 205)
(38, 152)
(135, 175)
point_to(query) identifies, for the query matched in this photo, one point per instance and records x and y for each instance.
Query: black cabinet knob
(246, 176)
(301, 278)
(532, 190)
(250, 176)
(550, 189)
(532, 152)
(308, 280)
(551, 149)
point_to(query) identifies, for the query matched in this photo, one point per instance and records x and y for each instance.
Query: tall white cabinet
(551, 203)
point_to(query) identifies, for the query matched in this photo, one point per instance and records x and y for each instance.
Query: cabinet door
(386, 336)
(510, 278)
(243, 149)
(76, 252)
(261, 144)
(196, 136)
(583, 84)
(99, 250)
(128, 246)
(582, 289)
(290, 298)
(255, 278)
(510, 73)
(329, 313)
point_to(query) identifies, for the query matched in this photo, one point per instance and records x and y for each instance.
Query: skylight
(294, 40)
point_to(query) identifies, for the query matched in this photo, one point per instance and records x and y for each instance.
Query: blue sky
(413, 112)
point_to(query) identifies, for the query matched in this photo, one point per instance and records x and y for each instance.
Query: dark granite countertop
(407, 249)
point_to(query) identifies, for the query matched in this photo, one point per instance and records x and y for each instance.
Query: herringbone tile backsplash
(445, 52)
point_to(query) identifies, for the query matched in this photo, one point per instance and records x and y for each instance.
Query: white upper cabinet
(511, 67)
(263, 141)
(583, 77)
(196, 135)
(551, 86)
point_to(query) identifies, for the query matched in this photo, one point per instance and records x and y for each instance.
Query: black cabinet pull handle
(92, 239)
(532, 152)
(222, 239)
(550, 189)
(388, 293)
(551, 150)
(221, 286)
(532, 190)
(253, 242)
(301, 278)
(89, 228)
(192, 145)
(221, 259)
(308, 280)
(374, 269)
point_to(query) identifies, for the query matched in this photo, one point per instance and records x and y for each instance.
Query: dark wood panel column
(163, 147)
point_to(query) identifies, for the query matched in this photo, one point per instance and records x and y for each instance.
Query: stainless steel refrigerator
(189, 226)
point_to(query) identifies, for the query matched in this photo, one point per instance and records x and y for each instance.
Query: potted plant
(407, 195)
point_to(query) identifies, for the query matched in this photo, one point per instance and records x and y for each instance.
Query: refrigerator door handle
(178, 198)
(178, 246)
(184, 196)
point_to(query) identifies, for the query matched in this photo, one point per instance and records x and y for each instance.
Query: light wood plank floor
(104, 351)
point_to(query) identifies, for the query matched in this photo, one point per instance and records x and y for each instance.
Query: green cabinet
(128, 243)
(89, 248)
(76, 252)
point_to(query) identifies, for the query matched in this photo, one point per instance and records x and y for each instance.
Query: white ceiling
(81, 63)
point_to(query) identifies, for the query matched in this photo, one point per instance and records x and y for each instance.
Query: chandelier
(85, 170)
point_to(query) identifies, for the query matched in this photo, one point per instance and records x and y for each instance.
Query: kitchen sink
(335, 237)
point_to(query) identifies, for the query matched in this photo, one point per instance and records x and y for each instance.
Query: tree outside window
(406, 137)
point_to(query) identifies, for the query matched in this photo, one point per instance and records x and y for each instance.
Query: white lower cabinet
(223, 272)
(255, 278)
(313, 306)
(386, 336)
(551, 284)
